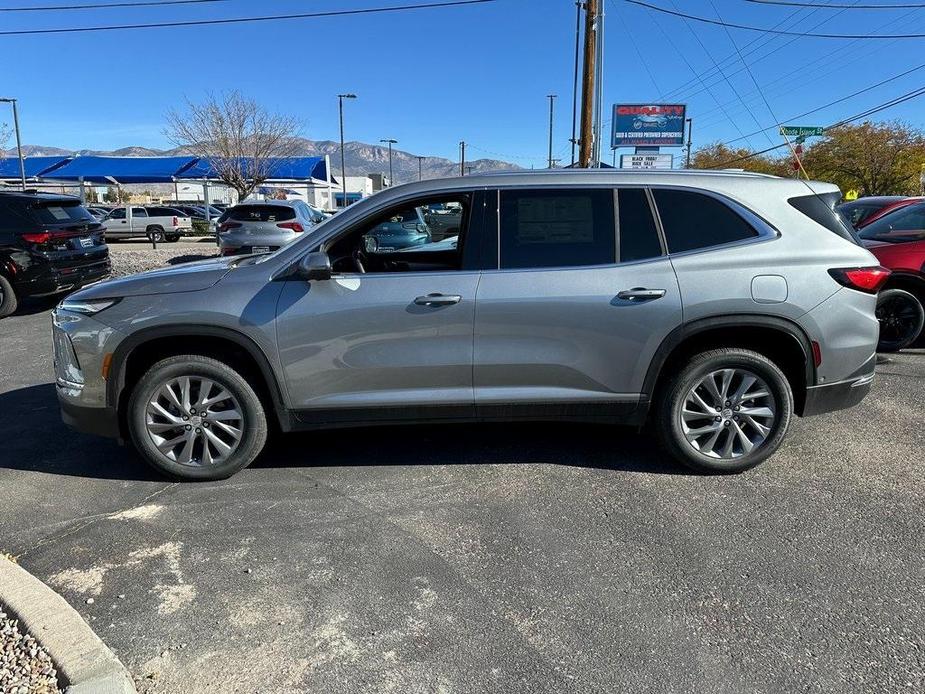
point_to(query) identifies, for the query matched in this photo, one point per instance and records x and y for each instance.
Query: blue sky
(432, 77)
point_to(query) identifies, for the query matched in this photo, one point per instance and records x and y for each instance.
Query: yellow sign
(851, 195)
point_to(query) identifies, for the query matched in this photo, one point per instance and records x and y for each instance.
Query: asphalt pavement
(483, 558)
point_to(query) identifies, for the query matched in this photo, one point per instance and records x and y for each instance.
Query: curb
(83, 661)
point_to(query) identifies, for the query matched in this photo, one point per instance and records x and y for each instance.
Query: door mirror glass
(315, 266)
(370, 244)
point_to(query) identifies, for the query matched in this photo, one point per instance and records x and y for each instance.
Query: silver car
(715, 305)
(264, 226)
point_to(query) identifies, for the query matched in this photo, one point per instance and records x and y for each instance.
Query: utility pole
(690, 127)
(420, 168)
(343, 166)
(599, 84)
(552, 98)
(462, 157)
(587, 84)
(390, 142)
(22, 163)
(574, 140)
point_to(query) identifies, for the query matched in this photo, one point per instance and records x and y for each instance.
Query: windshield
(905, 224)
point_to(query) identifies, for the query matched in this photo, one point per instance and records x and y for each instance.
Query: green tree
(873, 158)
(719, 156)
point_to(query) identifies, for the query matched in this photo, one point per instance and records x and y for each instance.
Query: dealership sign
(648, 125)
(646, 161)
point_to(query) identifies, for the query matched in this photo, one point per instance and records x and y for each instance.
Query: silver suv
(262, 226)
(714, 304)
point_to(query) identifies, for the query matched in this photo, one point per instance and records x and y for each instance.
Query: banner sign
(646, 161)
(648, 125)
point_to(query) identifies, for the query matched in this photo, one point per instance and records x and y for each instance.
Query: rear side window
(163, 212)
(694, 220)
(261, 213)
(60, 213)
(821, 209)
(557, 228)
(638, 235)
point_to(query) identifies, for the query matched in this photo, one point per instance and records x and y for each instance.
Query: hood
(188, 277)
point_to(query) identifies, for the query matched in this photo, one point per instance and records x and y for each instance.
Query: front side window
(118, 213)
(694, 220)
(408, 238)
(557, 228)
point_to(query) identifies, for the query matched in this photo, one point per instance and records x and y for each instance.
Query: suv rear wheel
(195, 418)
(7, 297)
(726, 410)
(901, 318)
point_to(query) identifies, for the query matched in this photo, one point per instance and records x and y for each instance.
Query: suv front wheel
(726, 410)
(195, 418)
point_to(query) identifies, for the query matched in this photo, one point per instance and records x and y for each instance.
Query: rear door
(581, 298)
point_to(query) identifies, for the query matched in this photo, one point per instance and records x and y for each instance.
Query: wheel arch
(142, 349)
(912, 282)
(792, 354)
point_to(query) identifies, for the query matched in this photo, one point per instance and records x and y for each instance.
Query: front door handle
(641, 294)
(438, 300)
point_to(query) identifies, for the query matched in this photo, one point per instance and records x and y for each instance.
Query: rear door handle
(641, 294)
(438, 300)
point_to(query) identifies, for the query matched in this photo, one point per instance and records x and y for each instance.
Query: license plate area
(260, 249)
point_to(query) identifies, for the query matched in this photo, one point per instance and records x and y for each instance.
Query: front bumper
(101, 421)
(842, 395)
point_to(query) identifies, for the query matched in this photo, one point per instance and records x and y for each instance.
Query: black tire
(670, 428)
(901, 319)
(155, 234)
(8, 300)
(253, 423)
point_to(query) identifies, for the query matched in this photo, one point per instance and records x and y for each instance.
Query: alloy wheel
(728, 413)
(194, 421)
(898, 317)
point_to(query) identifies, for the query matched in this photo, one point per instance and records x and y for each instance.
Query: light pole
(462, 157)
(420, 168)
(343, 165)
(390, 141)
(690, 127)
(22, 164)
(552, 98)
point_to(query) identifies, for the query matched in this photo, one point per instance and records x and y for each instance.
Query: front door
(580, 301)
(391, 331)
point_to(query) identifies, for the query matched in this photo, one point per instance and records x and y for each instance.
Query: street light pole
(462, 157)
(552, 98)
(420, 168)
(390, 141)
(690, 127)
(343, 165)
(22, 164)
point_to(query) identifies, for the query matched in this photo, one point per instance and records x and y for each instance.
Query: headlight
(87, 307)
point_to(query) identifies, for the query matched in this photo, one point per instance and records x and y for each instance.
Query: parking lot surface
(502, 558)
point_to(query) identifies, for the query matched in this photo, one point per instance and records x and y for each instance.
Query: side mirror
(370, 244)
(315, 266)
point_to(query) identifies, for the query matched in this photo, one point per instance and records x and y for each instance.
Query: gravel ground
(129, 258)
(25, 667)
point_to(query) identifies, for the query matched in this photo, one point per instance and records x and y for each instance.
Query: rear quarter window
(261, 213)
(821, 209)
(693, 220)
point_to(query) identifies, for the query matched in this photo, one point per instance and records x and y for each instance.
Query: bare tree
(237, 136)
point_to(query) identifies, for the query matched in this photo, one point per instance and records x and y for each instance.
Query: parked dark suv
(49, 244)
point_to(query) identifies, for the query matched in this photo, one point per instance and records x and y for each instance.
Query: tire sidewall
(8, 299)
(670, 410)
(255, 426)
(155, 234)
(895, 346)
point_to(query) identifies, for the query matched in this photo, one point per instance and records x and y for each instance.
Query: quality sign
(648, 125)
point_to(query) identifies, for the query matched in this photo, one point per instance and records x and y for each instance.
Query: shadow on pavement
(35, 439)
(31, 306)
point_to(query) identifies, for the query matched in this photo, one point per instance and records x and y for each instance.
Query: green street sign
(802, 130)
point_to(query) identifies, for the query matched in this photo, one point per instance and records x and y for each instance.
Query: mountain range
(361, 158)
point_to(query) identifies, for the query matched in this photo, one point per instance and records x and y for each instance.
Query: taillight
(295, 226)
(43, 237)
(863, 279)
(225, 226)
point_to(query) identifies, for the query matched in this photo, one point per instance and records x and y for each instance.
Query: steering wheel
(359, 261)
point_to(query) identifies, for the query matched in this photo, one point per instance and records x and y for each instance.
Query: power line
(869, 112)
(898, 6)
(746, 27)
(243, 20)
(98, 6)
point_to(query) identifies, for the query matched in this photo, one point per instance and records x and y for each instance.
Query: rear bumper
(842, 395)
(57, 280)
(101, 421)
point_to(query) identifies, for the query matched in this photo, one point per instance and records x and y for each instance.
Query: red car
(898, 241)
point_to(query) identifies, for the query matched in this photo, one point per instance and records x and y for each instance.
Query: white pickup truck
(156, 223)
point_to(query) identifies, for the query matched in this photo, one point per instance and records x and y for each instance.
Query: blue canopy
(281, 169)
(109, 170)
(35, 166)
